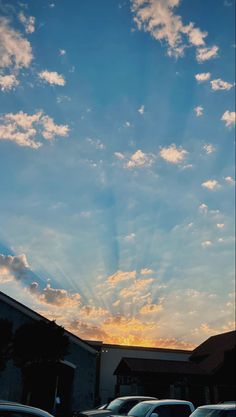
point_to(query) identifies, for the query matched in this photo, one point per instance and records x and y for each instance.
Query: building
(207, 376)
(108, 386)
(75, 376)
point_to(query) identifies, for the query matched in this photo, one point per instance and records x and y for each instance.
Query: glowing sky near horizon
(117, 166)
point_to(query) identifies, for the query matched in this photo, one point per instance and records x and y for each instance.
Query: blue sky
(117, 166)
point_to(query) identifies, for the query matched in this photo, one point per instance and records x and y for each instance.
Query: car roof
(219, 406)
(5, 405)
(133, 397)
(166, 401)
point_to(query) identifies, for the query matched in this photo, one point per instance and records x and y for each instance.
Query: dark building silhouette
(207, 376)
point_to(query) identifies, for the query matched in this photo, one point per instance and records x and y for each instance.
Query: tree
(39, 342)
(5, 342)
(38, 348)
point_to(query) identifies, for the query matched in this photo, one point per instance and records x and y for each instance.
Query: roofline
(214, 336)
(129, 347)
(36, 316)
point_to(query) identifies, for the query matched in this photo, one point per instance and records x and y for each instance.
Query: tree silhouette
(5, 342)
(39, 342)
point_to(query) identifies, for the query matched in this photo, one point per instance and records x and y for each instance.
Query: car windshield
(115, 405)
(206, 412)
(139, 410)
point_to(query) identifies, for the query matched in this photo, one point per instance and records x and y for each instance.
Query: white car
(162, 408)
(10, 409)
(216, 410)
(120, 406)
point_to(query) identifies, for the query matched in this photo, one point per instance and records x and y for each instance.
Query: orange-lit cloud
(151, 308)
(121, 276)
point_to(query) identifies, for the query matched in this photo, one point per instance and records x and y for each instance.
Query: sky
(117, 166)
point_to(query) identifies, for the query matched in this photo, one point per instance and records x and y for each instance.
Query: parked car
(120, 405)
(10, 409)
(162, 408)
(216, 410)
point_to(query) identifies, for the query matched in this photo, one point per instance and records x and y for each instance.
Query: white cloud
(203, 76)
(15, 51)
(209, 148)
(13, 267)
(219, 84)
(62, 98)
(130, 238)
(211, 184)
(206, 244)
(119, 155)
(173, 154)
(229, 117)
(158, 18)
(96, 143)
(8, 82)
(139, 160)
(203, 208)
(127, 124)
(62, 52)
(220, 225)
(146, 271)
(229, 180)
(28, 22)
(198, 111)
(52, 77)
(204, 54)
(23, 128)
(141, 109)
(51, 129)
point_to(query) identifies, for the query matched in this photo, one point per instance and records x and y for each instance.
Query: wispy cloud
(146, 271)
(24, 129)
(229, 117)
(96, 143)
(62, 52)
(16, 53)
(206, 244)
(27, 21)
(230, 180)
(8, 82)
(203, 208)
(140, 160)
(119, 155)
(148, 309)
(209, 148)
(198, 111)
(141, 109)
(211, 184)
(203, 76)
(204, 54)
(121, 276)
(130, 238)
(220, 225)
(159, 19)
(173, 154)
(52, 77)
(219, 84)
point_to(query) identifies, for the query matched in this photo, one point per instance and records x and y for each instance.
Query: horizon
(117, 168)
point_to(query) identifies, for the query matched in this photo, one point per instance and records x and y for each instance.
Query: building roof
(36, 316)
(219, 343)
(140, 365)
(211, 353)
(101, 345)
